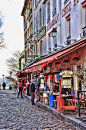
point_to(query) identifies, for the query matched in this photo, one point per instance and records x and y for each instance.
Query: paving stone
(19, 114)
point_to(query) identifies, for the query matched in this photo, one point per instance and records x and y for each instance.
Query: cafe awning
(38, 66)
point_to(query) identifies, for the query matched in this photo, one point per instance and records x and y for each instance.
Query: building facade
(63, 51)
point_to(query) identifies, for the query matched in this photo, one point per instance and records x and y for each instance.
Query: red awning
(44, 62)
(84, 3)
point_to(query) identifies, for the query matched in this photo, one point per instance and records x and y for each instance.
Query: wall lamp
(53, 33)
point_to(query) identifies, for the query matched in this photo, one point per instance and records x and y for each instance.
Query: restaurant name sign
(41, 34)
(54, 21)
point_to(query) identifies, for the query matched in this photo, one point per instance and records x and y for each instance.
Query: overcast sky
(13, 30)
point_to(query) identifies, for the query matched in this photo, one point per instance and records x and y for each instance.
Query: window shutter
(35, 24)
(42, 17)
(38, 20)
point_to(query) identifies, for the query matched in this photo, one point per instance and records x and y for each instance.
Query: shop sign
(41, 34)
(54, 69)
(66, 9)
(54, 21)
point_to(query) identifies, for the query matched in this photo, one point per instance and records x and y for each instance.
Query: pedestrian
(32, 90)
(27, 87)
(4, 85)
(37, 89)
(20, 88)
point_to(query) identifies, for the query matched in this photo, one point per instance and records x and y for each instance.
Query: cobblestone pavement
(19, 114)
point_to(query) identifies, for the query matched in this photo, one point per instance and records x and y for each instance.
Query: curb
(69, 119)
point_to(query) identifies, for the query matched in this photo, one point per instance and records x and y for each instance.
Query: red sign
(75, 2)
(54, 21)
(66, 9)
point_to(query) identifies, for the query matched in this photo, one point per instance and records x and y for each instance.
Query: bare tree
(13, 62)
(2, 44)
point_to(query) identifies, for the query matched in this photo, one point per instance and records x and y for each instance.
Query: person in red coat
(20, 88)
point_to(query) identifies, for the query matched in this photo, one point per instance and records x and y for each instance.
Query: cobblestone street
(19, 114)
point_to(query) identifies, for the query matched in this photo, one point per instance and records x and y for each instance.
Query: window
(36, 49)
(40, 19)
(54, 8)
(55, 43)
(69, 32)
(83, 19)
(49, 43)
(85, 15)
(28, 32)
(65, 2)
(68, 28)
(48, 18)
(41, 47)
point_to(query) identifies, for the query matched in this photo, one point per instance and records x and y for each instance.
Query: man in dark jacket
(4, 85)
(37, 89)
(32, 90)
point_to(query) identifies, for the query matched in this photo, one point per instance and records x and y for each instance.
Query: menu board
(41, 83)
(66, 83)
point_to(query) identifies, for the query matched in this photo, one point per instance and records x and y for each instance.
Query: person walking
(37, 89)
(32, 90)
(20, 88)
(27, 87)
(4, 85)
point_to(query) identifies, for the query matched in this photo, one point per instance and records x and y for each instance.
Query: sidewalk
(69, 117)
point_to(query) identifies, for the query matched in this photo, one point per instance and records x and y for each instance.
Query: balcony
(84, 31)
(54, 12)
(32, 54)
(68, 40)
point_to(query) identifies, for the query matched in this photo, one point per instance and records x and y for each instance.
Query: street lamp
(53, 33)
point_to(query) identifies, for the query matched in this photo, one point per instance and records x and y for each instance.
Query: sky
(13, 31)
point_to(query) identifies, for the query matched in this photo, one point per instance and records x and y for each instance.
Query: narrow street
(19, 114)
